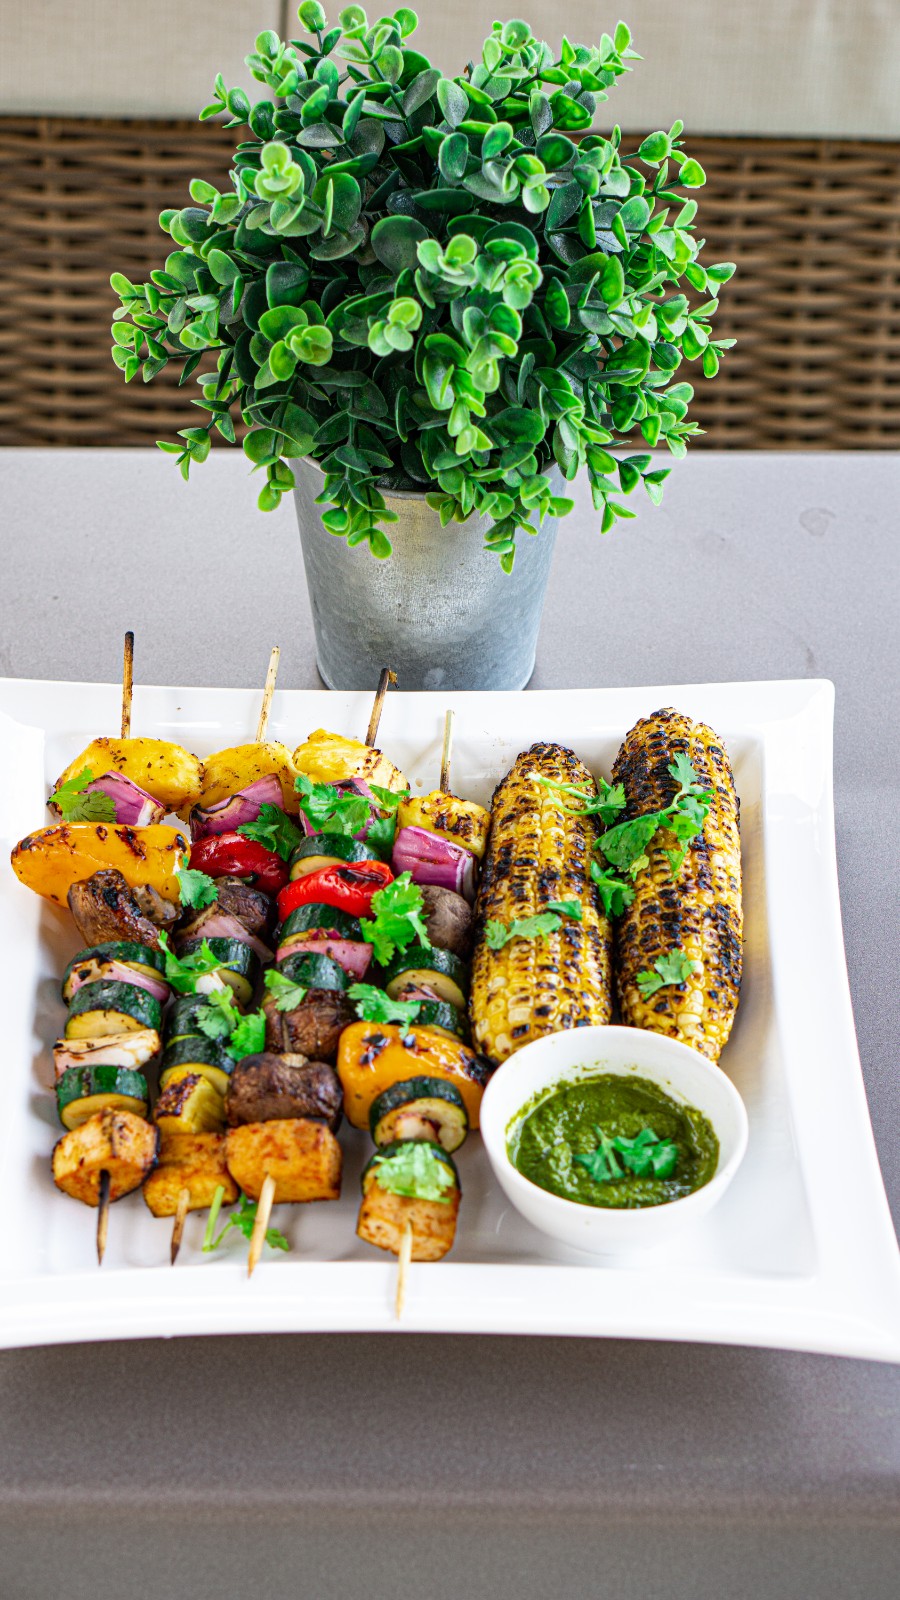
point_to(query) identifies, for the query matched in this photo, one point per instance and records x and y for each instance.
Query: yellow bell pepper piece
(52, 859)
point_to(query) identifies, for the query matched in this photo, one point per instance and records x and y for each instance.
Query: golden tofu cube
(302, 1156)
(192, 1161)
(116, 1142)
(383, 1218)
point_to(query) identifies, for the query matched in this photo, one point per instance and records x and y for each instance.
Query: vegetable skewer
(184, 1195)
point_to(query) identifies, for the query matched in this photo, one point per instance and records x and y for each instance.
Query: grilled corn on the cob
(698, 912)
(539, 851)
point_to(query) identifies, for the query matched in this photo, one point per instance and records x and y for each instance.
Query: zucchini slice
(314, 972)
(182, 1015)
(432, 969)
(196, 1054)
(440, 1014)
(101, 1008)
(319, 850)
(420, 1108)
(83, 1090)
(240, 968)
(305, 919)
(139, 955)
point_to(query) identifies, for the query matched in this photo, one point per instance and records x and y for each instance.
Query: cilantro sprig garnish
(329, 811)
(76, 805)
(373, 1005)
(274, 829)
(222, 1019)
(606, 802)
(197, 888)
(288, 995)
(498, 934)
(415, 1172)
(625, 844)
(182, 972)
(673, 968)
(615, 894)
(646, 1156)
(398, 919)
(243, 1219)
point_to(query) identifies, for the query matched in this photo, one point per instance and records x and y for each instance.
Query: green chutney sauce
(544, 1141)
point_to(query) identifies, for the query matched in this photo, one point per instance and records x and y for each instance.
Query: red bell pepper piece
(230, 855)
(347, 888)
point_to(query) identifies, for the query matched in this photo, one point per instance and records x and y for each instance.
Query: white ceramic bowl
(584, 1053)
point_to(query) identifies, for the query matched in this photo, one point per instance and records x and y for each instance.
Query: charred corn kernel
(228, 771)
(329, 758)
(539, 851)
(192, 1161)
(461, 821)
(698, 912)
(116, 1142)
(167, 771)
(190, 1104)
(52, 859)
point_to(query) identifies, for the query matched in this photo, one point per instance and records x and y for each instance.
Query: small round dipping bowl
(686, 1076)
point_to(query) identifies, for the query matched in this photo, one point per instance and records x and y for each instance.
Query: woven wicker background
(814, 226)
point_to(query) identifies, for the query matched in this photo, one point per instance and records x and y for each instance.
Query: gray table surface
(334, 1466)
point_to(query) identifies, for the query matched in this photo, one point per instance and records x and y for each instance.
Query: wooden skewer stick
(260, 1225)
(444, 784)
(403, 1261)
(181, 1211)
(103, 1216)
(127, 684)
(268, 692)
(387, 677)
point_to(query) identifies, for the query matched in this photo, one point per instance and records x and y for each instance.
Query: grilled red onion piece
(226, 816)
(350, 954)
(211, 923)
(431, 859)
(134, 806)
(120, 972)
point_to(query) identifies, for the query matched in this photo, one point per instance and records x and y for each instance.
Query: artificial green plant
(432, 283)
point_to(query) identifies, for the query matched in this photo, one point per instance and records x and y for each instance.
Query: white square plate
(800, 1254)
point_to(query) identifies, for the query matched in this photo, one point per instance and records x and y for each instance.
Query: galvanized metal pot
(440, 610)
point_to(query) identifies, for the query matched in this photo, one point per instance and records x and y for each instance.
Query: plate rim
(836, 1310)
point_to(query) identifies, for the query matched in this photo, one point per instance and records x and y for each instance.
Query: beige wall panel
(124, 58)
(829, 67)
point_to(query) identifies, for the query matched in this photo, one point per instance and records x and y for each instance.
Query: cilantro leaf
(567, 908)
(606, 802)
(380, 835)
(416, 1172)
(625, 844)
(75, 805)
(197, 888)
(673, 968)
(247, 1036)
(274, 829)
(398, 920)
(243, 1219)
(675, 859)
(682, 770)
(615, 893)
(388, 799)
(600, 1164)
(288, 994)
(182, 972)
(329, 811)
(373, 1005)
(498, 934)
(219, 1015)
